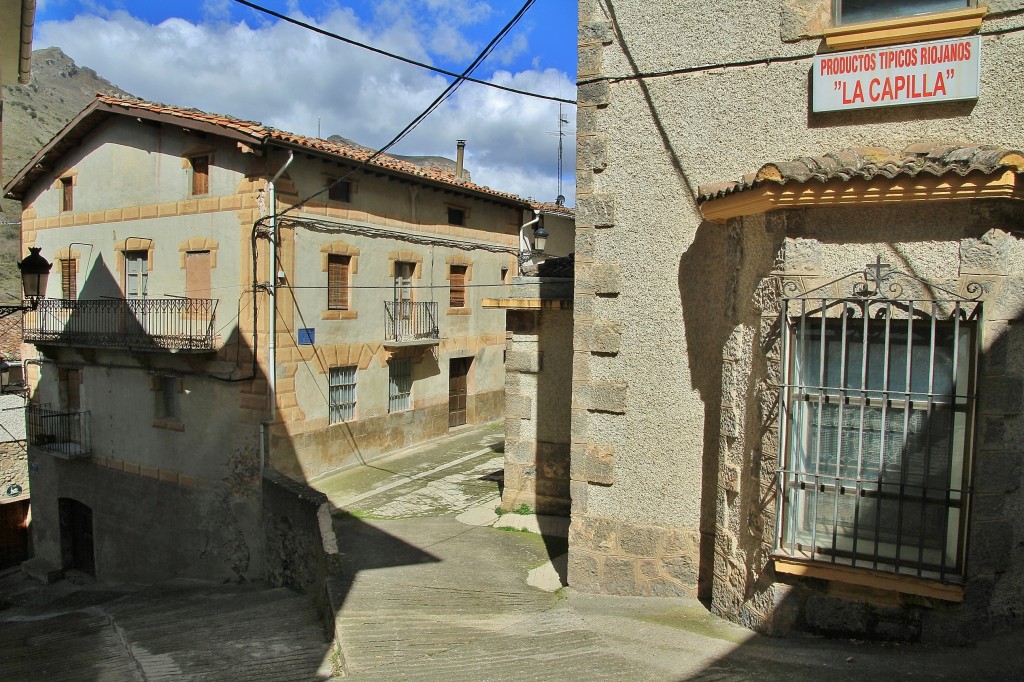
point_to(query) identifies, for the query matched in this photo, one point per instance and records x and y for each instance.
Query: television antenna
(562, 122)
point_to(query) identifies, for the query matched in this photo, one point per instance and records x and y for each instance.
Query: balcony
(409, 323)
(64, 434)
(145, 324)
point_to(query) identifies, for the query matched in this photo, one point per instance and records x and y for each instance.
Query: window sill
(168, 424)
(905, 29)
(866, 578)
(460, 311)
(339, 315)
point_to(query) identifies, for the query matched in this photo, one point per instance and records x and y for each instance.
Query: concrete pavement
(429, 593)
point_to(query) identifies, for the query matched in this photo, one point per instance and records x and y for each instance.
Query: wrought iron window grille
(876, 412)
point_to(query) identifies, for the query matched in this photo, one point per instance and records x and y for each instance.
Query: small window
(197, 274)
(399, 384)
(67, 194)
(457, 286)
(456, 216)
(200, 175)
(167, 406)
(504, 275)
(342, 393)
(68, 279)
(337, 281)
(340, 190)
(69, 384)
(857, 11)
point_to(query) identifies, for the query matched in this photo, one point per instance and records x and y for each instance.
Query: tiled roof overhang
(250, 133)
(870, 175)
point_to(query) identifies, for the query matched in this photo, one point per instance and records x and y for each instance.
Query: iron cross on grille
(874, 273)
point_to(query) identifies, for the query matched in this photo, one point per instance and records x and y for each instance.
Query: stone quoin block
(595, 32)
(523, 361)
(1002, 395)
(592, 463)
(600, 396)
(592, 152)
(589, 61)
(593, 94)
(520, 406)
(595, 210)
(598, 337)
(598, 278)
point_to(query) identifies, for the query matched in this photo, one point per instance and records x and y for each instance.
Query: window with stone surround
(69, 278)
(457, 286)
(67, 194)
(200, 174)
(877, 407)
(337, 281)
(341, 393)
(846, 12)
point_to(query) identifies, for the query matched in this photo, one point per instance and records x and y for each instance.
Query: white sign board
(936, 71)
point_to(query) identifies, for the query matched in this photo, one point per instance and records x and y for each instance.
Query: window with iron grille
(456, 216)
(337, 281)
(399, 384)
(457, 286)
(877, 409)
(856, 11)
(68, 278)
(342, 393)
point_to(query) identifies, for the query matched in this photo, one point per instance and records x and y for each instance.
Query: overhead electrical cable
(407, 60)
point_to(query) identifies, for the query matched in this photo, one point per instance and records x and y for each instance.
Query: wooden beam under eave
(900, 190)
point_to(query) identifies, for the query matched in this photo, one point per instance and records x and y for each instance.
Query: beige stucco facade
(675, 393)
(181, 429)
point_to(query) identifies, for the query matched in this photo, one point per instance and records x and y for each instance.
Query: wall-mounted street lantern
(35, 270)
(540, 238)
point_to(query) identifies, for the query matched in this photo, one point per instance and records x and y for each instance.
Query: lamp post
(35, 270)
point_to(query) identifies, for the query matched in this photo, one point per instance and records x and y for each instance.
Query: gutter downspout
(28, 19)
(525, 248)
(272, 326)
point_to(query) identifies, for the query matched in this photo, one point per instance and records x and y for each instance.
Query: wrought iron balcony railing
(65, 434)
(149, 324)
(410, 322)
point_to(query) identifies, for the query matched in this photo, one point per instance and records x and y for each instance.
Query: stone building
(796, 384)
(228, 299)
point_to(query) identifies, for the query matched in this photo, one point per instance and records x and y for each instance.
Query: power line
(399, 57)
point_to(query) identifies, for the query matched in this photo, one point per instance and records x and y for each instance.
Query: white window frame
(341, 394)
(891, 9)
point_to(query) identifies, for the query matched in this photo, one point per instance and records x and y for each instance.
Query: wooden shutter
(69, 278)
(337, 282)
(457, 286)
(200, 175)
(197, 274)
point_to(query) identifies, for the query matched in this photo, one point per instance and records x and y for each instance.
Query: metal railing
(407, 321)
(65, 433)
(140, 324)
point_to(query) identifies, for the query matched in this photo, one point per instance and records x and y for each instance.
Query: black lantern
(35, 270)
(540, 237)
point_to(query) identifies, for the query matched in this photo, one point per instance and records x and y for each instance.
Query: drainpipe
(525, 247)
(272, 327)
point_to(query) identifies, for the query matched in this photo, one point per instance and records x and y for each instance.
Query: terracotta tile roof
(267, 135)
(867, 163)
(551, 207)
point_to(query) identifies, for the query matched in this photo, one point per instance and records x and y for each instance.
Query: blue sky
(223, 57)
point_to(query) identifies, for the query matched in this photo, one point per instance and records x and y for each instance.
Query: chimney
(460, 154)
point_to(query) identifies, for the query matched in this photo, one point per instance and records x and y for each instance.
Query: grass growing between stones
(523, 509)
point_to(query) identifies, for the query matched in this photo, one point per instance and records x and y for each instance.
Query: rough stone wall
(538, 385)
(808, 248)
(13, 470)
(301, 549)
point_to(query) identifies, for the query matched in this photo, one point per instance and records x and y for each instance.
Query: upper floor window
(337, 281)
(200, 171)
(339, 190)
(456, 216)
(457, 286)
(198, 266)
(857, 11)
(67, 194)
(68, 278)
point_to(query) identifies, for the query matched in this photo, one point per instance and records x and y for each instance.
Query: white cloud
(288, 77)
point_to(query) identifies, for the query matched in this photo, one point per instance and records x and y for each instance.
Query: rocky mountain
(32, 114)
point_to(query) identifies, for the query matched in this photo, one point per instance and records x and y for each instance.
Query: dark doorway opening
(76, 544)
(458, 375)
(14, 537)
